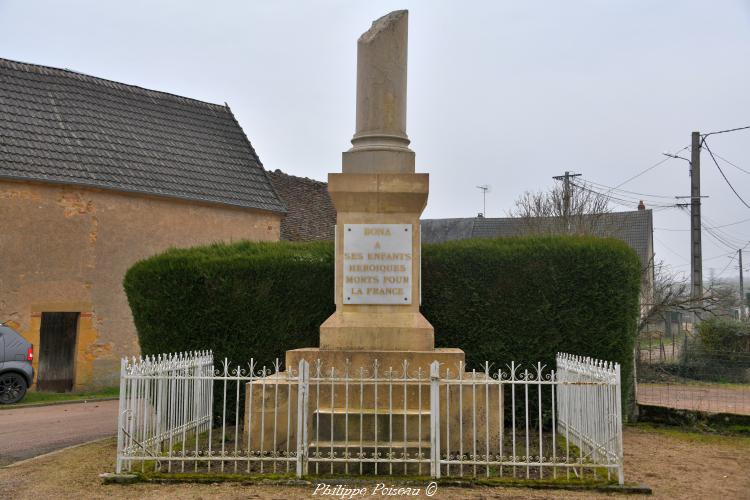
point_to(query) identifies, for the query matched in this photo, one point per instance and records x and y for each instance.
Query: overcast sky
(500, 93)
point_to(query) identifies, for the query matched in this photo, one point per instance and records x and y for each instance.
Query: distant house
(95, 175)
(636, 228)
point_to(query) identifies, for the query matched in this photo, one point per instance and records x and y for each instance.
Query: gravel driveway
(675, 464)
(28, 432)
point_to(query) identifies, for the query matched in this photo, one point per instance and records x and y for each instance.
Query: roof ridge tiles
(300, 179)
(65, 72)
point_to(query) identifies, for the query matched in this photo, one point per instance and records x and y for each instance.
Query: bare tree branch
(672, 292)
(545, 212)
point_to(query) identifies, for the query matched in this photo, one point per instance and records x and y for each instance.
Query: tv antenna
(485, 188)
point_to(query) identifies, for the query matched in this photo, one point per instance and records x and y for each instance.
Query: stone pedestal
(378, 199)
(377, 331)
(356, 359)
(363, 416)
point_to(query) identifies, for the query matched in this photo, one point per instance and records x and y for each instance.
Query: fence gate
(178, 413)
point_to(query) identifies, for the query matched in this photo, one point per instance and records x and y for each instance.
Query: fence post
(120, 417)
(302, 402)
(435, 419)
(618, 424)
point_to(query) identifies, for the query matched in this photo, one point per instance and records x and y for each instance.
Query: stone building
(95, 175)
(311, 215)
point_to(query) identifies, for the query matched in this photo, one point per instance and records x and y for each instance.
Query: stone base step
(353, 412)
(409, 445)
(335, 425)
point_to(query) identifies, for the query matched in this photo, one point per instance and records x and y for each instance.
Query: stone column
(380, 143)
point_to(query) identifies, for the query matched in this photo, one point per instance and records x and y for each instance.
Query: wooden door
(57, 351)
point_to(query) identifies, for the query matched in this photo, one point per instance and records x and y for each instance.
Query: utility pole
(742, 288)
(696, 254)
(566, 195)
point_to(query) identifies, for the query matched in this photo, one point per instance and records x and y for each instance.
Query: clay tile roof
(66, 127)
(311, 214)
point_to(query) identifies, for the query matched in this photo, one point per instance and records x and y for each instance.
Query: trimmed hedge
(240, 300)
(520, 299)
(525, 299)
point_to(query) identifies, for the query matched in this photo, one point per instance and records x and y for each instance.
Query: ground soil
(675, 464)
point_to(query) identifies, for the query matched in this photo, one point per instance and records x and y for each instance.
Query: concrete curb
(56, 452)
(55, 403)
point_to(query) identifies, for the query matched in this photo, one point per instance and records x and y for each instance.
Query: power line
(734, 254)
(623, 200)
(725, 131)
(672, 251)
(727, 242)
(719, 236)
(630, 201)
(727, 235)
(728, 254)
(648, 169)
(611, 199)
(718, 257)
(727, 266)
(705, 143)
(732, 164)
(730, 243)
(630, 192)
(712, 227)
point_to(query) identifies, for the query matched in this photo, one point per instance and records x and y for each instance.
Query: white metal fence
(163, 400)
(180, 414)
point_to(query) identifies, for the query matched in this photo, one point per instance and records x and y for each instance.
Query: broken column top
(380, 143)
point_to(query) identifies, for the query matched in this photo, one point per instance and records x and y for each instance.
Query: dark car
(16, 373)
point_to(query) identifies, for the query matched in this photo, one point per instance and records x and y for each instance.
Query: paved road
(714, 398)
(28, 432)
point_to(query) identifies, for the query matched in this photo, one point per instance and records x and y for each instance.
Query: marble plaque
(377, 263)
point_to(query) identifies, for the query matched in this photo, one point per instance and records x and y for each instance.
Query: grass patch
(39, 397)
(695, 421)
(178, 477)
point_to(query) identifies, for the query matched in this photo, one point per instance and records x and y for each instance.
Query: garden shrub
(720, 352)
(724, 334)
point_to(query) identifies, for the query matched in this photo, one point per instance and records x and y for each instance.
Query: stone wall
(66, 248)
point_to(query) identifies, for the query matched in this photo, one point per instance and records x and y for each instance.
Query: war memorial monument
(377, 330)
